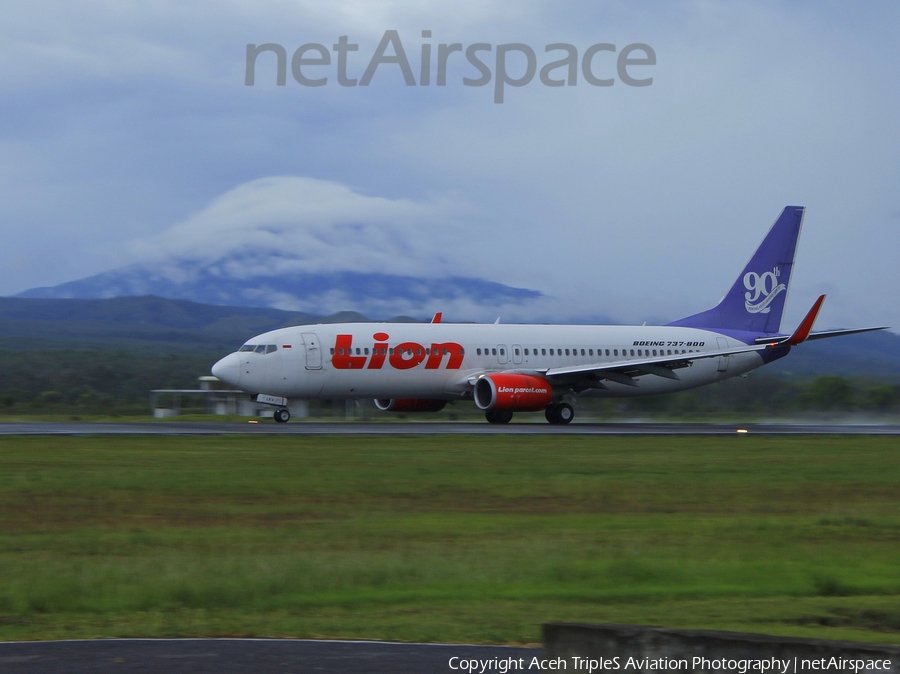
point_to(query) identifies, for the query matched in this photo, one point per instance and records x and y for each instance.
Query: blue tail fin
(756, 300)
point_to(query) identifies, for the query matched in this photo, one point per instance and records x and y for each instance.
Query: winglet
(805, 327)
(437, 317)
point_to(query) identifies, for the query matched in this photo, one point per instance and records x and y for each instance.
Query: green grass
(475, 539)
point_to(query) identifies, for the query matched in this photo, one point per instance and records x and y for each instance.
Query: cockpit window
(259, 348)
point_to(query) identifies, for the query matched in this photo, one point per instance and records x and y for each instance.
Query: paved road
(254, 656)
(268, 427)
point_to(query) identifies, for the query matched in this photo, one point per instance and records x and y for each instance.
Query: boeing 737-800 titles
(419, 367)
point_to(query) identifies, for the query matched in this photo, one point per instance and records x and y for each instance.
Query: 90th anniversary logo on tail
(765, 286)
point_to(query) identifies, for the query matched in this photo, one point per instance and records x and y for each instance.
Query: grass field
(474, 539)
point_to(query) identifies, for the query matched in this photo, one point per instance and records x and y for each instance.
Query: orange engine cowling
(409, 404)
(510, 391)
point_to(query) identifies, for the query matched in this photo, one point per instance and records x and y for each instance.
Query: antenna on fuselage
(497, 322)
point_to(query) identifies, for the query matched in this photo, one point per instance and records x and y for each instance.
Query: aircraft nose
(228, 369)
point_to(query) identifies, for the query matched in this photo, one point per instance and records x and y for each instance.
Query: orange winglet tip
(805, 327)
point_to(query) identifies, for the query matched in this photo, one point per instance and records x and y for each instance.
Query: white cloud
(288, 224)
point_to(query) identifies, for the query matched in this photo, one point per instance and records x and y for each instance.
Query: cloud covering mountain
(307, 245)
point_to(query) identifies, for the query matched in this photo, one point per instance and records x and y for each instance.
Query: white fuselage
(437, 360)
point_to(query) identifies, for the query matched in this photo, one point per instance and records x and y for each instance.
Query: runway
(225, 656)
(268, 427)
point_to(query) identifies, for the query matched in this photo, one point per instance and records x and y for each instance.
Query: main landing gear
(560, 413)
(498, 416)
(282, 416)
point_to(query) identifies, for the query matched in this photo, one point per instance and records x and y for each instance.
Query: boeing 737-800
(419, 367)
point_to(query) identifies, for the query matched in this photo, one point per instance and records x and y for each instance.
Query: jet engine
(511, 391)
(409, 404)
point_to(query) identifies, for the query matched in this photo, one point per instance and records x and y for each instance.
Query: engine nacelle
(510, 391)
(409, 404)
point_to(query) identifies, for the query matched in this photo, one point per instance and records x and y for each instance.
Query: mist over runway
(438, 428)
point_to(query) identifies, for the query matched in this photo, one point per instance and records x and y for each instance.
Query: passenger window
(357, 351)
(654, 352)
(607, 352)
(462, 351)
(366, 351)
(632, 352)
(670, 352)
(502, 352)
(391, 350)
(494, 352)
(551, 352)
(543, 352)
(332, 350)
(478, 352)
(582, 352)
(516, 351)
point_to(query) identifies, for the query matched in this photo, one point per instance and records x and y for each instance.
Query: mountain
(375, 294)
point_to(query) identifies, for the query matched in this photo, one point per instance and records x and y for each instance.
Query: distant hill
(875, 354)
(141, 322)
(156, 323)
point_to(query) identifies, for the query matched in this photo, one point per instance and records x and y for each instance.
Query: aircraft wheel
(550, 414)
(564, 413)
(498, 416)
(282, 416)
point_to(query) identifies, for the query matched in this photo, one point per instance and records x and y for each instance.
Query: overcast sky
(128, 132)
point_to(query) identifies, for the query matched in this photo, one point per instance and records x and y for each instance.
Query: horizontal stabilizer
(840, 333)
(823, 334)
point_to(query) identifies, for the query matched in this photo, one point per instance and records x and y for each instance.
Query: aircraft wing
(591, 375)
(623, 371)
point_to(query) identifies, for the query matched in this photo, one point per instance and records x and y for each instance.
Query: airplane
(508, 368)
